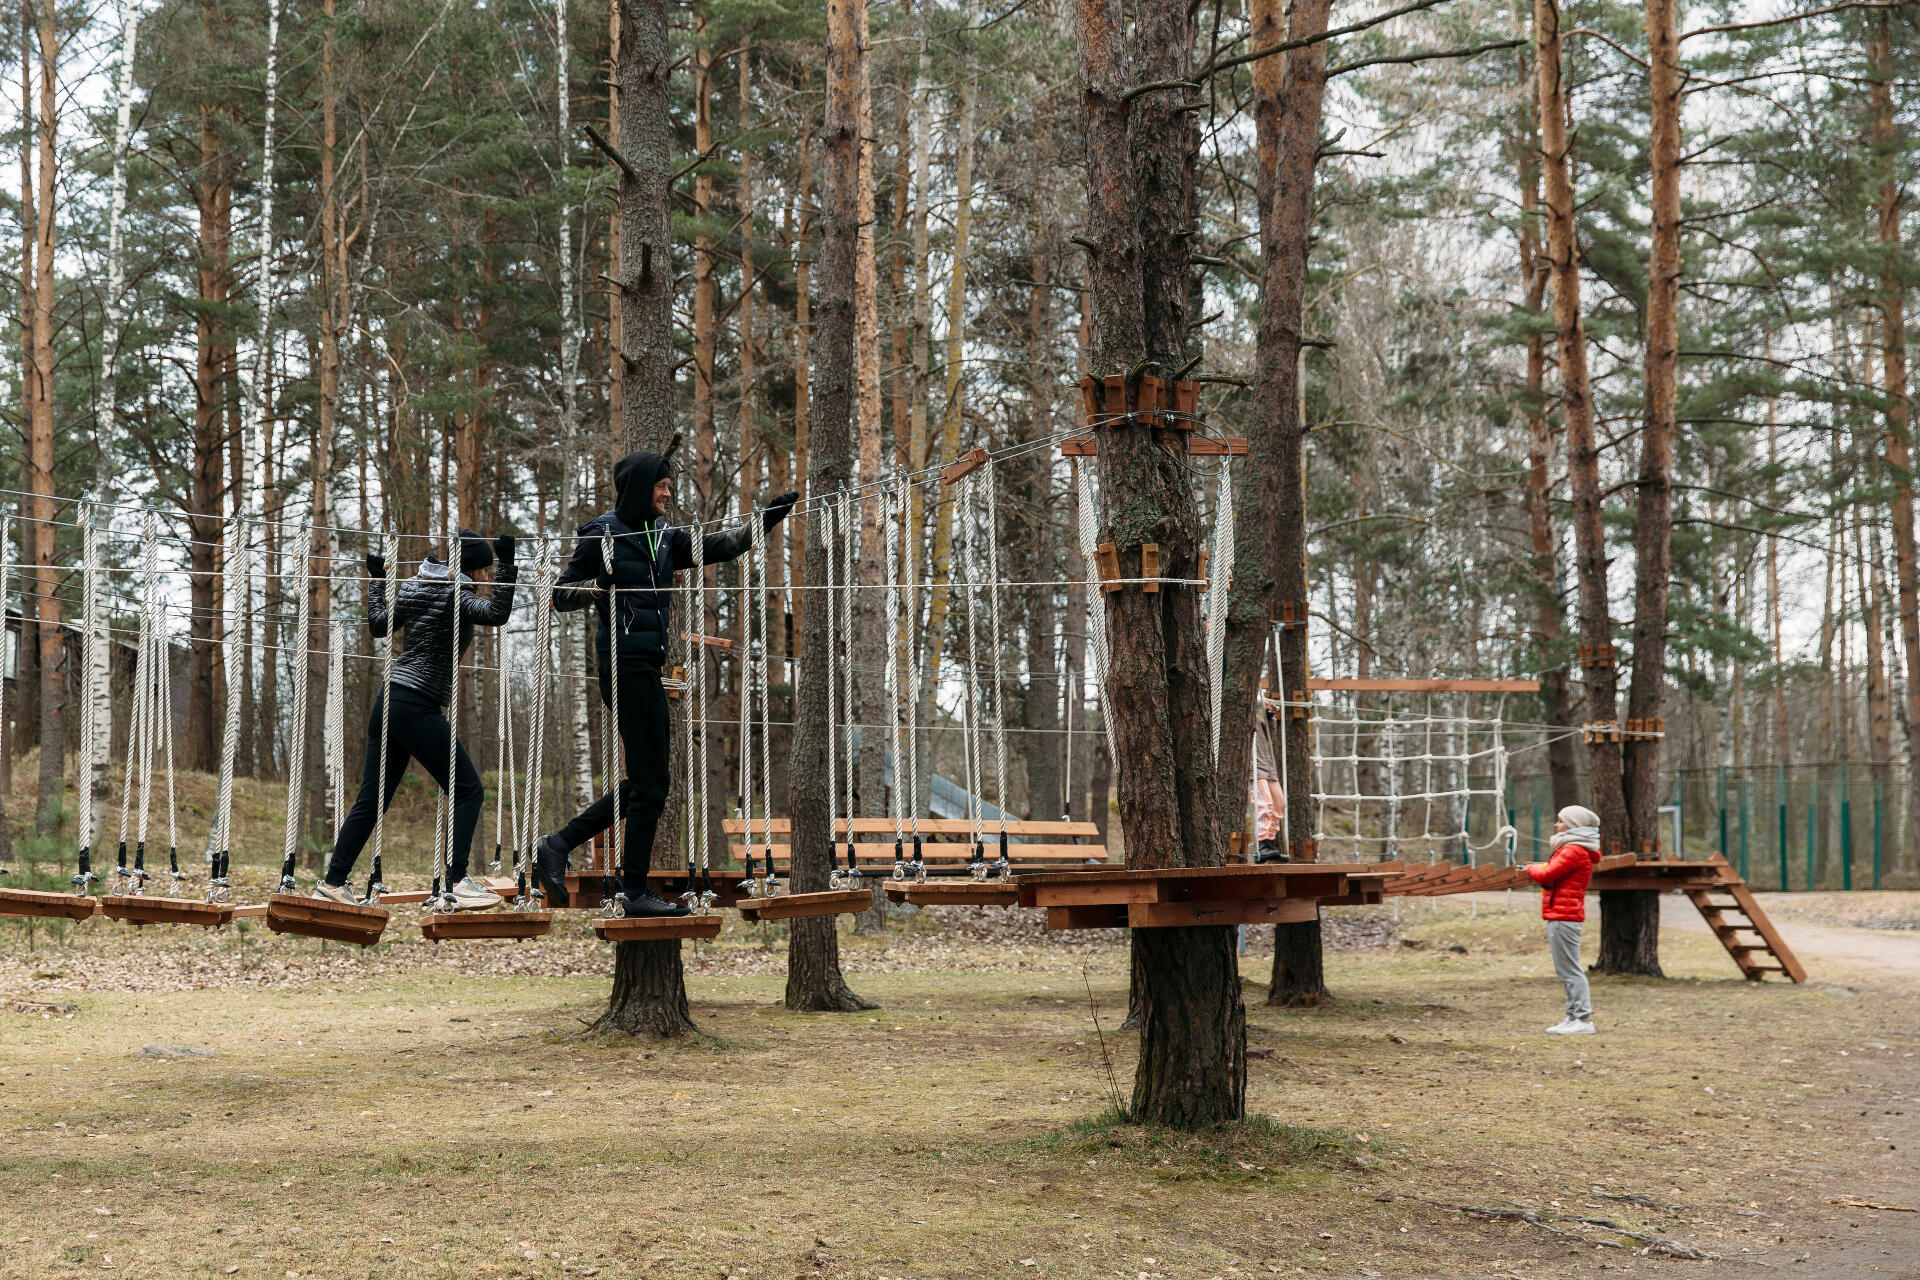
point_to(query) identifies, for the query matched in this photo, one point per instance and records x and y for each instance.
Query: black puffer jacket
(646, 555)
(423, 608)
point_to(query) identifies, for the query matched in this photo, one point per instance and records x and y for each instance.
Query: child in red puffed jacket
(1563, 880)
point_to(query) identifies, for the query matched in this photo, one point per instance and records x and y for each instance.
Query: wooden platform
(1440, 879)
(139, 909)
(954, 893)
(519, 925)
(24, 903)
(1161, 897)
(657, 928)
(310, 917)
(790, 906)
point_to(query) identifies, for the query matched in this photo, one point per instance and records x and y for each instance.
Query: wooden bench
(943, 841)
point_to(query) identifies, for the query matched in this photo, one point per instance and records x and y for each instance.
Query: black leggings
(646, 742)
(418, 729)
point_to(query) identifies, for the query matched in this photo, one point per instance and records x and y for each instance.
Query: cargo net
(1410, 777)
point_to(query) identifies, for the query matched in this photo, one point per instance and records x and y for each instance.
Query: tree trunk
(814, 981)
(212, 192)
(1576, 408)
(869, 605)
(1033, 538)
(953, 412)
(1893, 372)
(706, 446)
(649, 978)
(1270, 564)
(1299, 976)
(1192, 1071)
(1630, 939)
(40, 446)
(1550, 620)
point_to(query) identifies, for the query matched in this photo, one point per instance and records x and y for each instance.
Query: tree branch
(1796, 17)
(612, 152)
(1287, 46)
(1422, 55)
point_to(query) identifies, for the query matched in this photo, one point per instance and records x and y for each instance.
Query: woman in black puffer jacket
(427, 607)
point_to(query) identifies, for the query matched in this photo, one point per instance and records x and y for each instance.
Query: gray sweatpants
(1563, 939)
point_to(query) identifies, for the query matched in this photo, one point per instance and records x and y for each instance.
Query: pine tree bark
(649, 978)
(1035, 540)
(814, 981)
(1576, 410)
(1893, 372)
(869, 607)
(1630, 920)
(40, 442)
(1550, 622)
(1139, 166)
(212, 193)
(1270, 555)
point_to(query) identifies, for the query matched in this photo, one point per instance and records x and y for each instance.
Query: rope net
(1409, 776)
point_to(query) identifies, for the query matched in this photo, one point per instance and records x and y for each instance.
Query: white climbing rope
(90, 657)
(297, 743)
(993, 617)
(390, 549)
(893, 515)
(1089, 523)
(1220, 584)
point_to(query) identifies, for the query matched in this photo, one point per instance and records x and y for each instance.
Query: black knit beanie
(476, 553)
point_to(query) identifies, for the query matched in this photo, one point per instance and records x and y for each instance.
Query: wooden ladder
(1722, 918)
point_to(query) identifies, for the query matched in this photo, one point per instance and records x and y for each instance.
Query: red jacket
(1563, 881)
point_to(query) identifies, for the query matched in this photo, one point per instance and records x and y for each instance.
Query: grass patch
(1249, 1151)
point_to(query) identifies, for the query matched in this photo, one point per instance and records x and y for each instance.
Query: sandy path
(1826, 951)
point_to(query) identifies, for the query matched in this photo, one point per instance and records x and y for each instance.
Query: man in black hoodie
(647, 552)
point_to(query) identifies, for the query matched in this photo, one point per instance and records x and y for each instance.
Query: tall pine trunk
(1576, 410)
(649, 978)
(814, 981)
(1550, 621)
(1270, 555)
(1192, 1071)
(1630, 919)
(41, 443)
(1893, 372)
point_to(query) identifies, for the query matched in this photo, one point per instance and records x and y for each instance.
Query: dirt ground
(246, 1104)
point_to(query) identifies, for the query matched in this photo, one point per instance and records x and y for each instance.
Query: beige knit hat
(1578, 815)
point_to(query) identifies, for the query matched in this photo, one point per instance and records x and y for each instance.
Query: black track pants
(417, 730)
(646, 742)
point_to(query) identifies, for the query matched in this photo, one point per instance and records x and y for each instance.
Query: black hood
(633, 479)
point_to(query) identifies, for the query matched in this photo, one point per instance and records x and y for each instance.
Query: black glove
(778, 509)
(503, 549)
(376, 565)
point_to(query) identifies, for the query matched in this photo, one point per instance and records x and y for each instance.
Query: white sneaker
(1572, 1028)
(470, 895)
(336, 893)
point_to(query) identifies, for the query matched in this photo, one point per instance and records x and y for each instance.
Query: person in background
(427, 608)
(1563, 881)
(1269, 799)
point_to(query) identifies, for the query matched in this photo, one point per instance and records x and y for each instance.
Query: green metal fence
(1830, 826)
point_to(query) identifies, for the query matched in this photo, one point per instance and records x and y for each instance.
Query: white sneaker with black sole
(470, 895)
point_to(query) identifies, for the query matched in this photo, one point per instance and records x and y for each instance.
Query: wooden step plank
(486, 924)
(954, 893)
(138, 909)
(23, 903)
(830, 902)
(656, 928)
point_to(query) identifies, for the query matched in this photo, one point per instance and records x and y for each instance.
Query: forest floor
(246, 1104)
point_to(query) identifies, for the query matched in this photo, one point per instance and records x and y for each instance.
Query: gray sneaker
(470, 895)
(336, 893)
